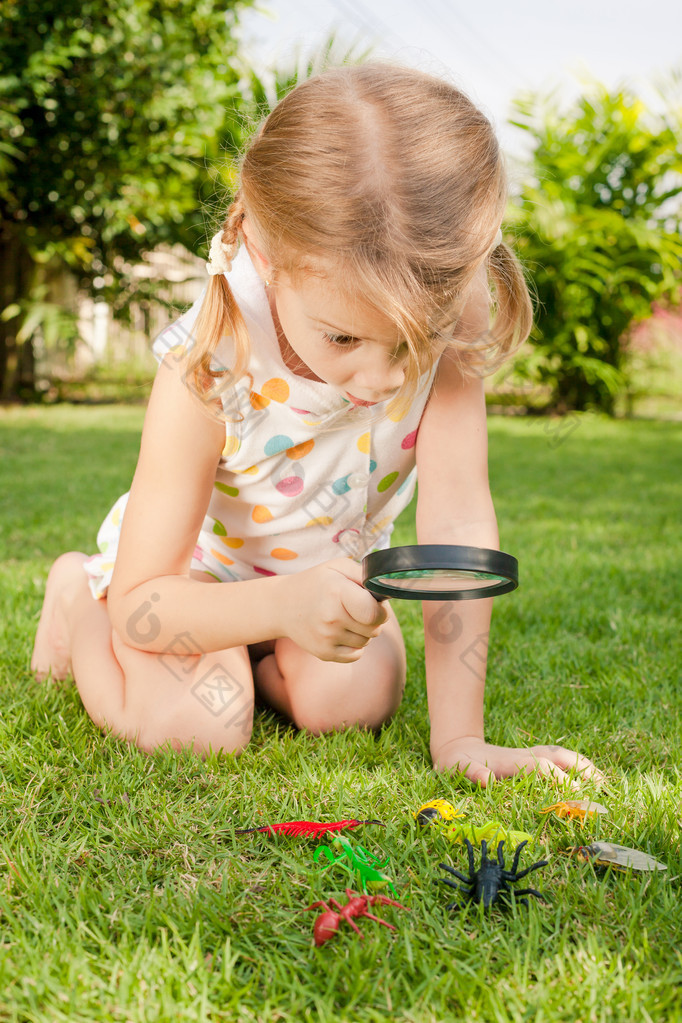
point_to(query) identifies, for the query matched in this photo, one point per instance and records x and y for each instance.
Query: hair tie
(218, 262)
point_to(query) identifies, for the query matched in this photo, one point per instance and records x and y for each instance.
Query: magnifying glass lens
(438, 579)
(439, 572)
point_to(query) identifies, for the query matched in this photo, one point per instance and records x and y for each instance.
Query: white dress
(305, 476)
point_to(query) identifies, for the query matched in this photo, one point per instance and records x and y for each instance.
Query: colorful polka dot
(258, 402)
(283, 554)
(410, 440)
(233, 541)
(222, 558)
(395, 416)
(261, 514)
(301, 411)
(275, 388)
(290, 486)
(301, 450)
(341, 486)
(232, 445)
(280, 442)
(372, 465)
(263, 571)
(225, 489)
(364, 442)
(219, 528)
(321, 520)
(387, 481)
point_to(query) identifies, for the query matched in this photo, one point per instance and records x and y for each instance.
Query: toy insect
(491, 883)
(356, 859)
(436, 810)
(328, 923)
(442, 815)
(620, 857)
(492, 832)
(575, 809)
(305, 827)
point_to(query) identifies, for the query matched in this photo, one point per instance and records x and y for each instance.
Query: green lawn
(149, 908)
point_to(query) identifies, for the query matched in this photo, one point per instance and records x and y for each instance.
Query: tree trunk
(17, 272)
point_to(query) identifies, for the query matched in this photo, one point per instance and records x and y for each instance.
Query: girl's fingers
(569, 760)
(479, 774)
(547, 768)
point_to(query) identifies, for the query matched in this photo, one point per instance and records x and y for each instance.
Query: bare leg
(204, 701)
(324, 696)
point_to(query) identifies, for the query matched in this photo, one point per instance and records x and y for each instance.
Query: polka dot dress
(305, 476)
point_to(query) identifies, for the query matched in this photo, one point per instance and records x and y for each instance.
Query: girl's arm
(454, 506)
(152, 600)
(153, 603)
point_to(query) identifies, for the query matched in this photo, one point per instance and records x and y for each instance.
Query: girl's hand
(484, 763)
(329, 612)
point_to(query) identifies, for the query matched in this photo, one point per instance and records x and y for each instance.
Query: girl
(294, 401)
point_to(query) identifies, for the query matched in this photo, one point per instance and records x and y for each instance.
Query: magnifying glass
(439, 572)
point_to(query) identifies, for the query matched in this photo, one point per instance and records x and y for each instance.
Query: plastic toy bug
(620, 857)
(305, 827)
(491, 883)
(328, 923)
(436, 810)
(442, 816)
(356, 859)
(576, 809)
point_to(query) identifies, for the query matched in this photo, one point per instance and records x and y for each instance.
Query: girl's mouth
(360, 401)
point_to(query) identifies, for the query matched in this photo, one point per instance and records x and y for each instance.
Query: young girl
(338, 348)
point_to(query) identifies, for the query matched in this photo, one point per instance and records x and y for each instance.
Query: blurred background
(121, 127)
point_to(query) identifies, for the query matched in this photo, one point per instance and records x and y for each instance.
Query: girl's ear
(253, 247)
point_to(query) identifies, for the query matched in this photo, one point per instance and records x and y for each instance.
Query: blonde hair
(396, 179)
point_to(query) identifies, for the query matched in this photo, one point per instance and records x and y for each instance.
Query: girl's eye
(339, 340)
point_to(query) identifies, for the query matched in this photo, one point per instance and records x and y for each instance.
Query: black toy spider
(491, 883)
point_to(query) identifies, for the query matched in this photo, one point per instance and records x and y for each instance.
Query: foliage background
(121, 130)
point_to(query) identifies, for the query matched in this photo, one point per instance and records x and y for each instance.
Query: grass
(147, 907)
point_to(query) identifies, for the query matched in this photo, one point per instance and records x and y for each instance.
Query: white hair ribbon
(218, 263)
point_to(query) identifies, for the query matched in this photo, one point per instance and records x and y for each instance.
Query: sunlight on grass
(125, 894)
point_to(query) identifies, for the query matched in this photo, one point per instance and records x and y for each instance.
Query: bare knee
(203, 703)
(327, 696)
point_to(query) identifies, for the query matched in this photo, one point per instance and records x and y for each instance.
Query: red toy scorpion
(327, 923)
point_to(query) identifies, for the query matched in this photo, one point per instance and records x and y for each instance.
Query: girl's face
(334, 338)
(340, 341)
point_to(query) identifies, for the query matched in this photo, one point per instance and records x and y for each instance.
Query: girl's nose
(379, 374)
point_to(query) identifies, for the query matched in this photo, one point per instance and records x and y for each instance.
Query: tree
(109, 112)
(598, 227)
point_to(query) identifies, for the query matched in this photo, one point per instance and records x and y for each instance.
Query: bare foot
(51, 651)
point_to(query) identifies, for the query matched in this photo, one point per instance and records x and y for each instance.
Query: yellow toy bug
(436, 810)
(575, 809)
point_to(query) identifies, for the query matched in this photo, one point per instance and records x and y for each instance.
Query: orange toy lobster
(327, 923)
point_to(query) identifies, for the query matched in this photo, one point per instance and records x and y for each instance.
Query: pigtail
(219, 317)
(513, 310)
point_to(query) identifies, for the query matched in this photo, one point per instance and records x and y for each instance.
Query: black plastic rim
(421, 557)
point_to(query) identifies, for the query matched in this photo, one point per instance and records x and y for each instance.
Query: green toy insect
(356, 859)
(444, 817)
